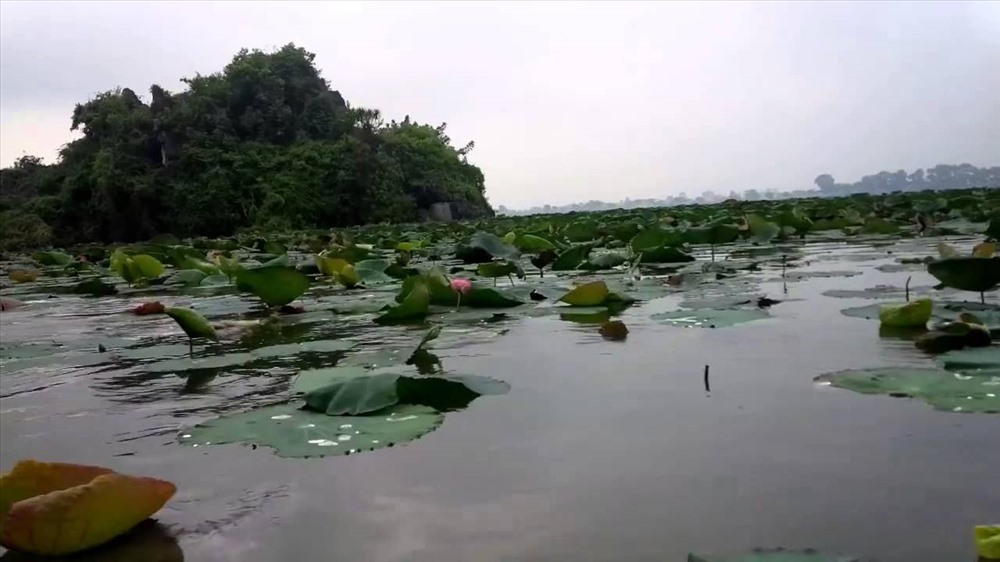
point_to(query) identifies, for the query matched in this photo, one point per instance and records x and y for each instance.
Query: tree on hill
(264, 143)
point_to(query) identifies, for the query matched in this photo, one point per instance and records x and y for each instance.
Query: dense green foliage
(264, 143)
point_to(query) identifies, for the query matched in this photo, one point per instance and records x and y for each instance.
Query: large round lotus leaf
(357, 395)
(275, 285)
(373, 271)
(296, 433)
(776, 555)
(372, 392)
(494, 245)
(967, 274)
(310, 380)
(710, 318)
(941, 389)
(571, 259)
(971, 361)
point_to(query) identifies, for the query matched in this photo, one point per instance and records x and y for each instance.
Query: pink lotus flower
(462, 287)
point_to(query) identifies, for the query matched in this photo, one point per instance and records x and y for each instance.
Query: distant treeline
(940, 177)
(265, 143)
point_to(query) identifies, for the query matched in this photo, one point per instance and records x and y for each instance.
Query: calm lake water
(601, 451)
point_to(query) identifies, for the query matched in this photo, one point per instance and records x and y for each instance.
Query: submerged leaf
(614, 330)
(56, 508)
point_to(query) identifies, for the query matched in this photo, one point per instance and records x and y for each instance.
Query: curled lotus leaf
(58, 508)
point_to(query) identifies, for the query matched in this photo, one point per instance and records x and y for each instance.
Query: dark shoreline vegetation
(265, 143)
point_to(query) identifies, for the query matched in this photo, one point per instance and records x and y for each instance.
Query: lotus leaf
(910, 315)
(987, 541)
(942, 390)
(52, 258)
(588, 294)
(193, 324)
(414, 306)
(57, 508)
(274, 285)
(494, 246)
(711, 318)
(293, 432)
(967, 274)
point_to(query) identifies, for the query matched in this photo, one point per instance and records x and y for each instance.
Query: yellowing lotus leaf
(56, 508)
(988, 541)
(914, 314)
(588, 294)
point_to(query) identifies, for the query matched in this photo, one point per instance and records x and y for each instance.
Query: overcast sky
(567, 101)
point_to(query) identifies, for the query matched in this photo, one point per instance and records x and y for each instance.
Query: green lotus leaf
(274, 285)
(296, 433)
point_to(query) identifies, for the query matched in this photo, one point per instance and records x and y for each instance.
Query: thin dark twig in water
(783, 263)
(708, 388)
(908, 288)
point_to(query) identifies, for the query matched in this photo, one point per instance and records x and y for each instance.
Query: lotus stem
(511, 279)
(982, 297)
(458, 304)
(708, 387)
(191, 347)
(908, 288)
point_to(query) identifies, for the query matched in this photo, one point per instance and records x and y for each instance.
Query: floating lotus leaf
(969, 361)
(57, 508)
(293, 432)
(710, 318)
(941, 389)
(309, 380)
(482, 297)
